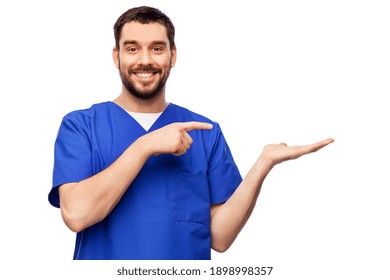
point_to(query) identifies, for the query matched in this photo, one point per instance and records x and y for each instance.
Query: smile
(144, 75)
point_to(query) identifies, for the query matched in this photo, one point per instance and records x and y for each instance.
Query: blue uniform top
(165, 213)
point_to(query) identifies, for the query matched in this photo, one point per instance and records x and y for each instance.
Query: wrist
(265, 163)
(144, 146)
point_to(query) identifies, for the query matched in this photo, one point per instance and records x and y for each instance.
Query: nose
(144, 58)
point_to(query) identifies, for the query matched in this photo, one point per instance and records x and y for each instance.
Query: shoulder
(83, 120)
(87, 114)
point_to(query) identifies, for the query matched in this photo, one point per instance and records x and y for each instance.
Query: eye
(131, 49)
(157, 49)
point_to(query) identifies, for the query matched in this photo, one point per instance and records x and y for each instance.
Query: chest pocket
(192, 198)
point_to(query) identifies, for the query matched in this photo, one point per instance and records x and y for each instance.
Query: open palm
(278, 153)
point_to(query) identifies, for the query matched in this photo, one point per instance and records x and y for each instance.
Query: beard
(144, 92)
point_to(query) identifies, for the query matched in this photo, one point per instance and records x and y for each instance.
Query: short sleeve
(224, 176)
(72, 155)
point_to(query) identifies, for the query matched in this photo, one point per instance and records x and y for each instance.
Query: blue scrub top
(165, 213)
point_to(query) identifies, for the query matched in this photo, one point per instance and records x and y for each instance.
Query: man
(138, 178)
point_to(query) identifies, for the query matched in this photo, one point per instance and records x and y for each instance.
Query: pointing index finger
(188, 126)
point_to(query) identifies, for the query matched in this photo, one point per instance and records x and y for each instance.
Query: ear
(115, 57)
(173, 57)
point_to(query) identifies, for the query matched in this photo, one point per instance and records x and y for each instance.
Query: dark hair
(144, 15)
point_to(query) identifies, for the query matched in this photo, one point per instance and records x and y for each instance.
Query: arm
(229, 218)
(89, 201)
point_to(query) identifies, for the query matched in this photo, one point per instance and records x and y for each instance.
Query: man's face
(144, 59)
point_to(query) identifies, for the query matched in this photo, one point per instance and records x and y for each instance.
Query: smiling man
(140, 178)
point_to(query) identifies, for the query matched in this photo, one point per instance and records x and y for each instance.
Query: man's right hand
(173, 138)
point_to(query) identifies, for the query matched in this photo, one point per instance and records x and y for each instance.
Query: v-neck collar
(154, 126)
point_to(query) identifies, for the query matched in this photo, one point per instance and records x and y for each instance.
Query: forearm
(229, 218)
(91, 200)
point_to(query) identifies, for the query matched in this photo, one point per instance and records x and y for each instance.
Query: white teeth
(144, 75)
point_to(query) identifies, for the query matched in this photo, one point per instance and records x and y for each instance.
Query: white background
(267, 71)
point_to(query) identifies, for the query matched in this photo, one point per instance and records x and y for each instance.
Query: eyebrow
(134, 42)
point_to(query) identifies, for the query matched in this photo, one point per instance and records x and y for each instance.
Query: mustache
(144, 69)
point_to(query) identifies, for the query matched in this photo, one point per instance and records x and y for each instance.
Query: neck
(133, 104)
